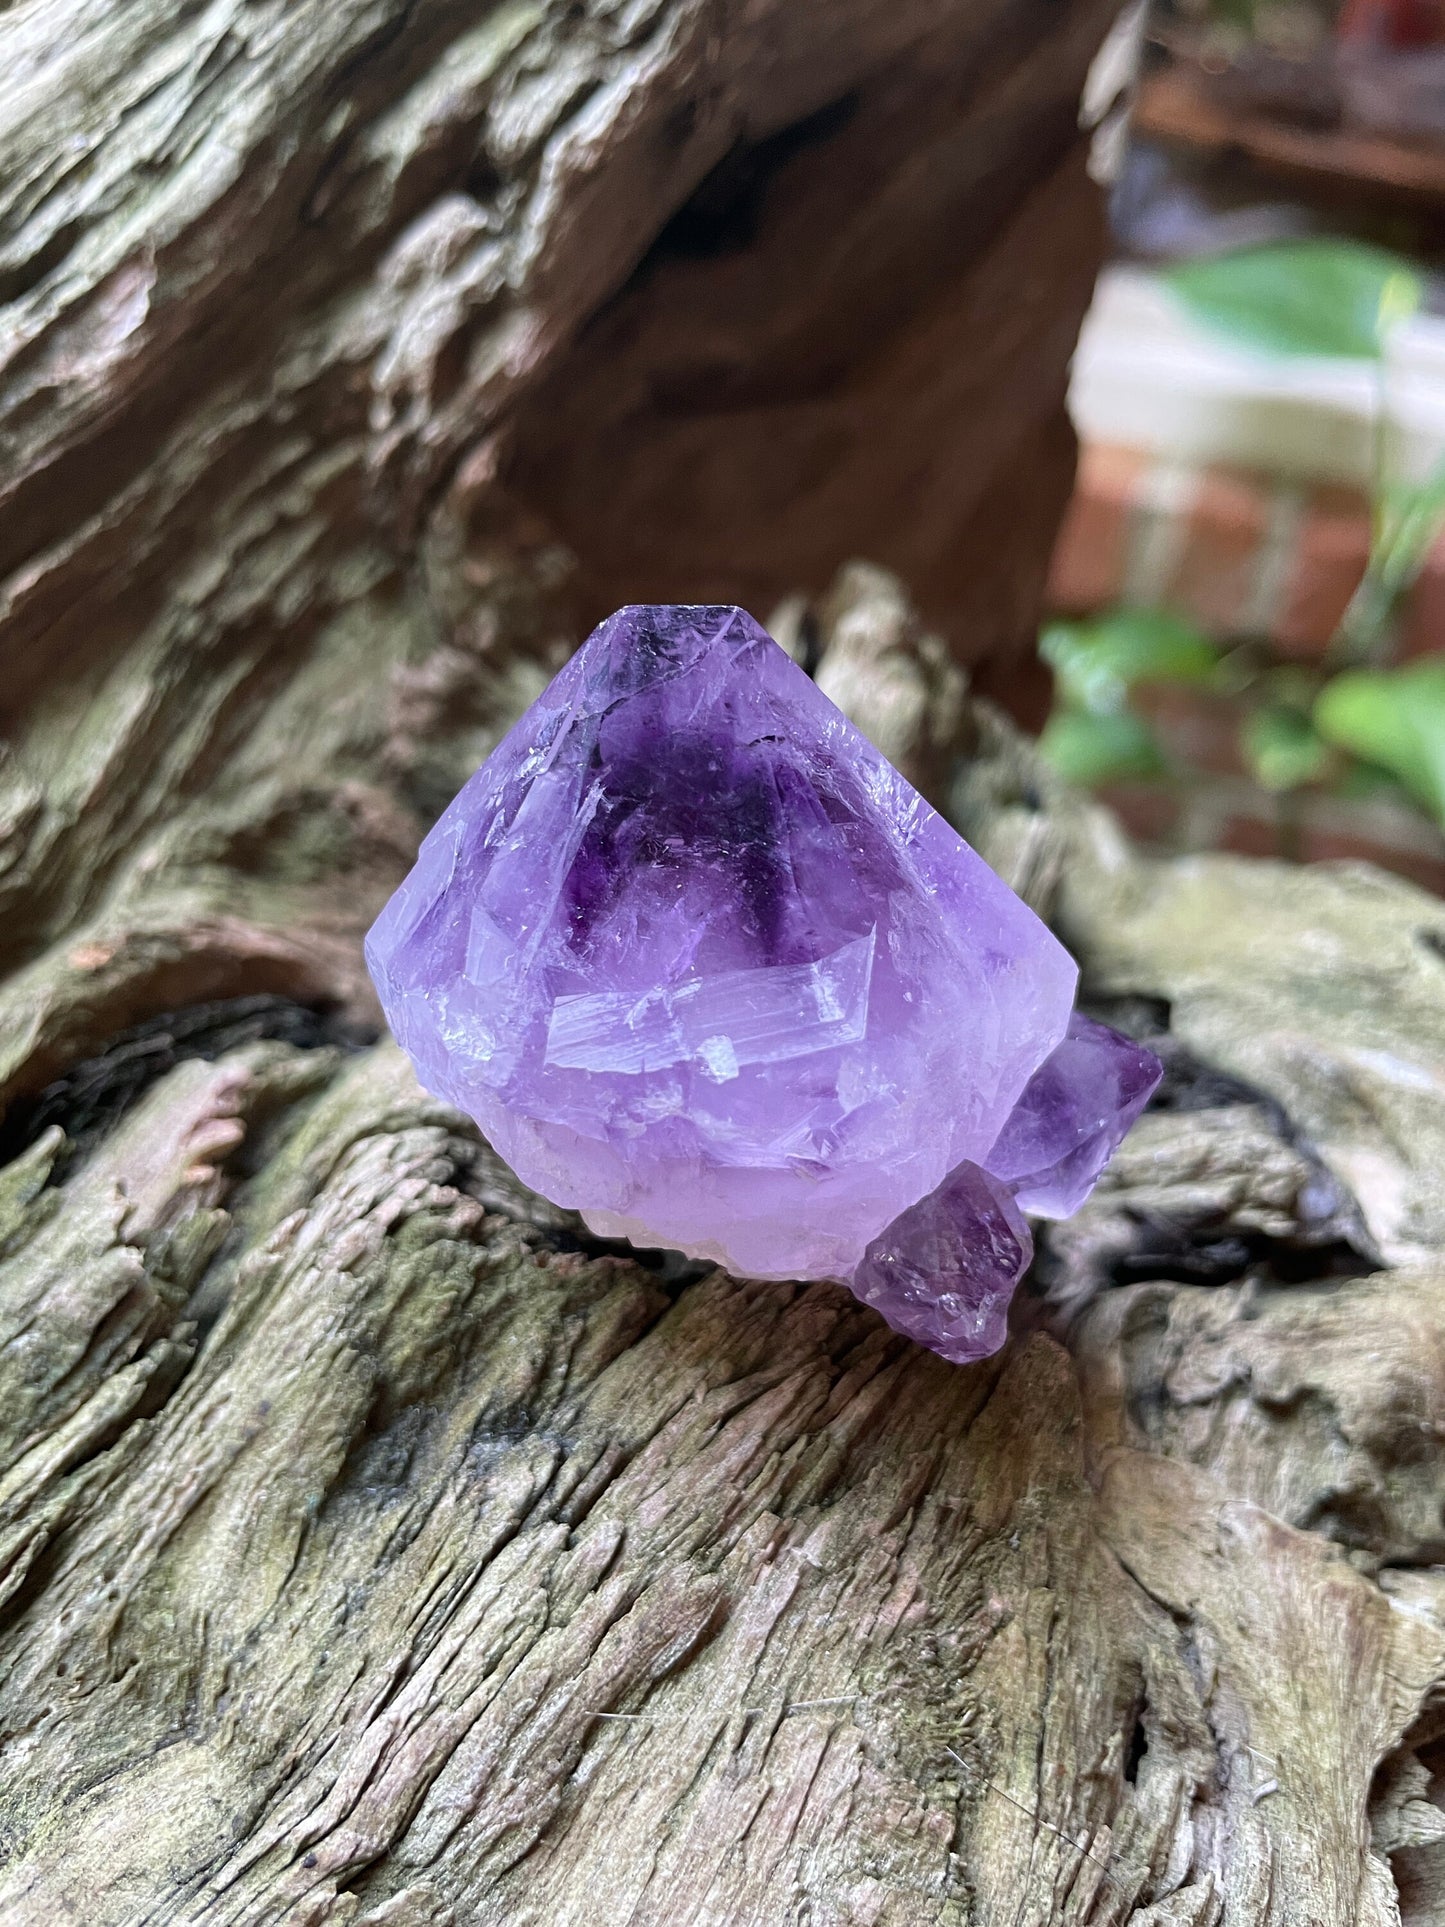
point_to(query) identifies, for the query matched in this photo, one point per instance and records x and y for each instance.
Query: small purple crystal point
(945, 1270)
(1074, 1114)
(702, 964)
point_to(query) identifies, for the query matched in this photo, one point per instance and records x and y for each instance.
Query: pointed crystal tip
(1074, 1114)
(945, 1270)
(703, 965)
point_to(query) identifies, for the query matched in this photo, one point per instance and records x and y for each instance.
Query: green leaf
(1394, 718)
(1409, 519)
(1369, 783)
(1097, 663)
(1282, 748)
(1091, 749)
(1301, 297)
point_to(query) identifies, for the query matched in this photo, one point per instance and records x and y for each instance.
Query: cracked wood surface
(373, 1547)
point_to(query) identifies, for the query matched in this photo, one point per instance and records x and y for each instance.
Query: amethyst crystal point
(1074, 1113)
(944, 1271)
(703, 965)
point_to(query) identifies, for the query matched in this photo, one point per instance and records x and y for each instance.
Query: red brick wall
(1244, 556)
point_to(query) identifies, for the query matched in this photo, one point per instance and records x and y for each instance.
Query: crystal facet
(944, 1271)
(1074, 1114)
(702, 964)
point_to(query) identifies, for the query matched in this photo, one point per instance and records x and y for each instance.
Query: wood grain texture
(374, 1546)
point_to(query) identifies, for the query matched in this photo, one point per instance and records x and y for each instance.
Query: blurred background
(1247, 599)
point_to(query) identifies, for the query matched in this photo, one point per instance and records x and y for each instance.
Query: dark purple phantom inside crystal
(701, 963)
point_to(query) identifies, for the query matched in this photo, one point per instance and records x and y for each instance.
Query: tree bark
(375, 1546)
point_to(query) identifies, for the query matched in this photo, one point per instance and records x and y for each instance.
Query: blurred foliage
(1355, 731)
(1320, 297)
(1282, 747)
(1394, 719)
(1095, 735)
(1353, 724)
(1096, 664)
(1407, 520)
(1090, 749)
(1221, 30)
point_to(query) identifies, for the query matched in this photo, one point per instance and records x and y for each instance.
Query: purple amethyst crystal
(945, 1270)
(1074, 1114)
(703, 965)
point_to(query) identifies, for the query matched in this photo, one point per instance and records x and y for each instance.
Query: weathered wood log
(376, 1547)
(299, 298)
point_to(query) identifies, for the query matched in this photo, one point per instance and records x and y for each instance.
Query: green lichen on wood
(375, 1549)
(461, 1574)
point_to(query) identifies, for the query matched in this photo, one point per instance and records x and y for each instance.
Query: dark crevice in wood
(25, 275)
(1210, 1255)
(1138, 1745)
(673, 1270)
(722, 214)
(89, 1099)
(746, 375)
(1330, 1241)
